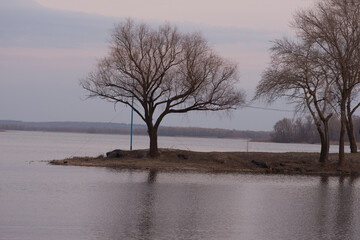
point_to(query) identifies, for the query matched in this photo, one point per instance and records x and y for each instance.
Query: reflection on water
(39, 201)
(193, 206)
(344, 213)
(146, 217)
(152, 176)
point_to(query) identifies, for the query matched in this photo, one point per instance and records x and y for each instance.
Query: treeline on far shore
(303, 130)
(121, 128)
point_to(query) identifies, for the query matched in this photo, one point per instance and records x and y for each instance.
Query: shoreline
(291, 163)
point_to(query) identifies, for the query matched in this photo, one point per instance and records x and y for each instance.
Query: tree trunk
(342, 134)
(325, 145)
(350, 130)
(154, 151)
(351, 135)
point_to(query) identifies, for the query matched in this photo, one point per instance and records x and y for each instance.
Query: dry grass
(241, 162)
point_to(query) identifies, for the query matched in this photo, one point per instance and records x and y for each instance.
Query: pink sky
(49, 47)
(254, 14)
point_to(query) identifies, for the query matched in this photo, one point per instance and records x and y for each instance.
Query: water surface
(40, 201)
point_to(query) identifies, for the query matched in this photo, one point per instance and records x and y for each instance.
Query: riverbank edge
(169, 160)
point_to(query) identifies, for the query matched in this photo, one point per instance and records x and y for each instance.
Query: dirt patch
(232, 162)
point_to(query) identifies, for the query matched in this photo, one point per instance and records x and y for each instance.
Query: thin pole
(132, 118)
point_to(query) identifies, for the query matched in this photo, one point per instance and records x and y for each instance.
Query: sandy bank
(231, 162)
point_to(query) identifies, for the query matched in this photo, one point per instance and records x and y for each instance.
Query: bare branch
(166, 72)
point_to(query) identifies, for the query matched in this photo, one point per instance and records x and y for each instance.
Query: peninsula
(221, 162)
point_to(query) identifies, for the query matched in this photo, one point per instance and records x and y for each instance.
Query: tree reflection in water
(344, 208)
(146, 217)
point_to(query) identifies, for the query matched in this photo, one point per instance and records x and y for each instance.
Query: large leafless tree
(334, 27)
(165, 71)
(352, 105)
(295, 72)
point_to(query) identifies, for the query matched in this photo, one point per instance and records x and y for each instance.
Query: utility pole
(132, 118)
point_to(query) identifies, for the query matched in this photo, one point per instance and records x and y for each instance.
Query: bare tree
(350, 110)
(333, 26)
(301, 130)
(166, 72)
(283, 131)
(295, 72)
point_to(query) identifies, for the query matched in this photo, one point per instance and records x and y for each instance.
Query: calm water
(40, 201)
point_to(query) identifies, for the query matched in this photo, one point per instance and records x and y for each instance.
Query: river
(41, 201)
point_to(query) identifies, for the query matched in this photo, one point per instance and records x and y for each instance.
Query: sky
(47, 46)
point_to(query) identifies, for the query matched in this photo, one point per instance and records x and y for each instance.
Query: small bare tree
(166, 72)
(283, 131)
(295, 72)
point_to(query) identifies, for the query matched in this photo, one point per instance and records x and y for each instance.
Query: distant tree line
(213, 132)
(303, 130)
(113, 128)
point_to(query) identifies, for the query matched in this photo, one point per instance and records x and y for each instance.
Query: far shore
(264, 140)
(292, 163)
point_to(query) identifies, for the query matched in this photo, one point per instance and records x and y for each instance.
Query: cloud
(32, 26)
(24, 23)
(259, 14)
(18, 4)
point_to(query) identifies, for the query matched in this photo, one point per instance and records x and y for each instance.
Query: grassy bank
(232, 162)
